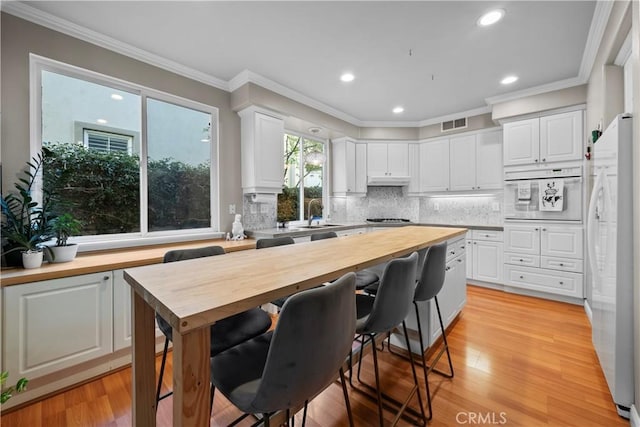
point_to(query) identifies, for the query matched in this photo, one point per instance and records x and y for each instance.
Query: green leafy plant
(65, 226)
(25, 223)
(7, 393)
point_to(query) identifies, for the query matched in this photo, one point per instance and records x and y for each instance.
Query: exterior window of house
(304, 167)
(125, 160)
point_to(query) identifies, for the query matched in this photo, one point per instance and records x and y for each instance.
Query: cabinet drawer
(455, 248)
(562, 264)
(555, 282)
(522, 259)
(493, 235)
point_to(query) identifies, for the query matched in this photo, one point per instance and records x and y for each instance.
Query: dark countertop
(303, 232)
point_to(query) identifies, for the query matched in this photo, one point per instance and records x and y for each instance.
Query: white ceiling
(302, 48)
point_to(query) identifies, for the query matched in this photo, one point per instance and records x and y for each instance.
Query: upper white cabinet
(552, 138)
(387, 159)
(349, 167)
(476, 161)
(262, 150)
(57, 323)
(434, 165)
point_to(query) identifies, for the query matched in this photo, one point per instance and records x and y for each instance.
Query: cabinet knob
(561, 265)
(447, 269)
(535, 229)
(522, 277)
(446, 189)
(475, 243)
(536, 160)
(521, 260)
(105, 278)
(544, 229)
(459, 259)
(486, 235)
(544, 160)
(462, 247)
(562, 283)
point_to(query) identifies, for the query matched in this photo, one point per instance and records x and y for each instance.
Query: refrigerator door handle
(591, 228)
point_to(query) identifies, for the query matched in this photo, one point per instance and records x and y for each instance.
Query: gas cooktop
(389, 220)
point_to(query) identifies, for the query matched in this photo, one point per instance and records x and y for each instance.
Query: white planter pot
(32, 259)
(64, 253)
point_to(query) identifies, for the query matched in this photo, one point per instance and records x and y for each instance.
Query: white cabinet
(546, 139)
(55, 324)
(434, 166)
(546, 257)
(476, 161)
(262, 150)
(349, 167)
(486, 259)
(413, 188)
(387, 159)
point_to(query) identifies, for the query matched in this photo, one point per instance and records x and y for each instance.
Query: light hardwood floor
(518, 361)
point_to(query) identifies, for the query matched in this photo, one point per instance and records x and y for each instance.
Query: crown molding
(469, 113)
(47, 20)
(625, 51)
(594, 38)
(247, 76)
(537, 90)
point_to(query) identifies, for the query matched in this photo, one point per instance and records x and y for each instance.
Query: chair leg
(213, 390)
(265, 419)
(375, 368)
(346, 398)
(415, 379)
(304, 413)
(444, 340)
(424, 362)
(164, 359)
(362, 351)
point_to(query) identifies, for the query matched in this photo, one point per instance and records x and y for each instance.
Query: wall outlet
(436, 206)
(253, 208)
(232, 209)
(495, 206)
(264, 208)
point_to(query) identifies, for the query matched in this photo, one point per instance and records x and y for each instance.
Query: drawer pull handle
(452, 252)
(544, 229)
(447, 269)
(459, 259)
(561, 265)
(522, 277)
(521, 260)
(535, 229)
(105, 278)
(486, 235)
(462, 247)
(562, 283)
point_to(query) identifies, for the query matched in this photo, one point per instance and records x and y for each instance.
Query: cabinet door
(489, 173)
(561, 241)
(376, 159)
(521, 142)
(360, 173)
(462, 156)
(487, 261)
(561, 137)
(342, 154)
(270, 149)
(469, 255)
(414, 170)
(57, 323)
(121, 312)
(523, 239)
(398, 159)
(434, 165)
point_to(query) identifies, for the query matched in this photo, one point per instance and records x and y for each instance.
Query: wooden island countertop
(98, 261)
(196, 293)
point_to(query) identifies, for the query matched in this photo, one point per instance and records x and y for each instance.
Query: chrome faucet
(309, 217)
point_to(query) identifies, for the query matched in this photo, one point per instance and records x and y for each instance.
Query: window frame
(38, 64)
(86, 133)
(325, 175)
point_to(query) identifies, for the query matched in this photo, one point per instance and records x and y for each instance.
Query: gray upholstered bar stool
(225, 333)
(271, 243)
(364, 278)
(430, 282)
(282, 370)
(380, 314)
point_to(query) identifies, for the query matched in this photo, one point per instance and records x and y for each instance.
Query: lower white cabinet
(453, 295)
(56, 324)
(485, 262)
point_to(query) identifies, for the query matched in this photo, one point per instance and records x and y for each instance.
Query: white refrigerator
(610, 252)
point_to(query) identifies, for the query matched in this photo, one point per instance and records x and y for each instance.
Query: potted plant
(63, 227)
(25, 223)
(7, 393)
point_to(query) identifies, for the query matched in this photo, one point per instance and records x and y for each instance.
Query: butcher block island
(194, 294)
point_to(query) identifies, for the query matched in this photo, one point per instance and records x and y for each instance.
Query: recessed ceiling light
(398, 110)
(508, 80)
(117, 97)
(491, 18)
(101, 121)
(347, 77)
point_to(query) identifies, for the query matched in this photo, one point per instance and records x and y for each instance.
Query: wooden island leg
(191, 378)
(143, 372)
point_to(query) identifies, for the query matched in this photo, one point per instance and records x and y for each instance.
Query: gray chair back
(431, 278)
(323, 235)
(394, 296)
(275, 241)
(311, 341)
(183, 255)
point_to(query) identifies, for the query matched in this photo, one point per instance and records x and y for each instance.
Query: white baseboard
(587, 309)
(634, 418)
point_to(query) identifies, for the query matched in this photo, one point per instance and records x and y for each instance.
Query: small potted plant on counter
(63, 227)
(25, 223)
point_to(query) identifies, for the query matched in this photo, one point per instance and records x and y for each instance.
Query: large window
(304, 166)
(126, 160)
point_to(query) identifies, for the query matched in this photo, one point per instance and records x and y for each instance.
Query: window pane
(99, 186)
(289, 200)
(178, 168)
(313, 176)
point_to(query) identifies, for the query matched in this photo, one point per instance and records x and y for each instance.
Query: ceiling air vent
(454, 124)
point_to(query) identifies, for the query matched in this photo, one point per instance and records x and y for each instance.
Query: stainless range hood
(388, 180)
